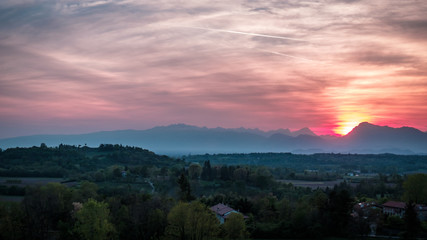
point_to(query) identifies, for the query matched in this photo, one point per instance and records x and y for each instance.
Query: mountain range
(181, 139)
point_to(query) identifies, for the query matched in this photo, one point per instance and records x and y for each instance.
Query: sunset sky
(76, 66)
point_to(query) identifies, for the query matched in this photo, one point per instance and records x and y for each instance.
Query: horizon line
(198, 126)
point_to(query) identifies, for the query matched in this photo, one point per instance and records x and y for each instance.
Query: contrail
(263, 35)
(291, 56)
(287, 55)
(250, 34)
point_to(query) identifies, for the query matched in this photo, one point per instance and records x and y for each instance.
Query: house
(421, 212)
(365, 208)
(222, 212)
(392, 208)
(369, 212)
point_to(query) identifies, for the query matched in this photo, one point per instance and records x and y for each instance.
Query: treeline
(73, 161)
(55, 211)
(365, 163)
(247, 172)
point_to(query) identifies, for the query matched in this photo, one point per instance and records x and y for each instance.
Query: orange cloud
(128, 64)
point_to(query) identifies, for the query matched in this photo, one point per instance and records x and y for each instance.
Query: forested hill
(73, 161)
(66, 160)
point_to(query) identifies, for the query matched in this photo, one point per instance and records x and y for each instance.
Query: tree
(44, 207)
(92, 221)
(263, 177)
(412, 224)
(117, 173)
(235, 227)
(339, 208)
(415, 187)
(156, 222)
(243, 205)
(195, 170)
(11, 221)
(87, 190)
(139, 216)
(207, 171)
(225, 174)
(193, 221)
(201, 222)
(184, 185)
(164, 171)
(177, 220)
(240, 174)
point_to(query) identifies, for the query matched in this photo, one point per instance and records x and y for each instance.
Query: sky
(77, 66)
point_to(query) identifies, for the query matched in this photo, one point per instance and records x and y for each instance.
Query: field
(312, 184)
(24, 181)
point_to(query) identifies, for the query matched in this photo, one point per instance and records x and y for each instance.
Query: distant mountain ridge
(186, 139)
(384, 137)
(256, 131)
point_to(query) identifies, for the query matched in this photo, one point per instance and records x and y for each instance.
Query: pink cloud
(94, 65)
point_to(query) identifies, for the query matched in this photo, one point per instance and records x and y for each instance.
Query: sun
(349, 121)
(345, 127)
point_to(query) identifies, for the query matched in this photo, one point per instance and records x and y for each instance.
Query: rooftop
(221, 209)
(394, 204)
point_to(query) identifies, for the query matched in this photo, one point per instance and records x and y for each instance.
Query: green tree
(263, 177)
(207, 171)
(177, 220)
(139, 216)
(87, 190)
(92, 221)
(117, 172)
(156, 222)
(195, 170)
(193, 221)
(184, 185)
(202, 222)
(235, 227)
(415, 187)
(240, 174)
(225, 174)
(11, 221)
(44, 207)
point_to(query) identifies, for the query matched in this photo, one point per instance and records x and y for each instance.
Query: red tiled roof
(221, 209)
(393, 204)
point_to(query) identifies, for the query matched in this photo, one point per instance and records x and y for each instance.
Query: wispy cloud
(76, 66)
(247, 33)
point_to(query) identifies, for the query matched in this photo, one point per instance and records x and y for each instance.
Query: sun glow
(348, 121)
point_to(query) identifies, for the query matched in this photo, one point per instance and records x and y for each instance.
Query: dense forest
(122, 192)
(366, 163)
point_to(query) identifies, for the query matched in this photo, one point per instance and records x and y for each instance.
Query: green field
(312, 184)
